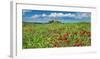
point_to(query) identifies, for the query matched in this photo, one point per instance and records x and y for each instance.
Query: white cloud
(82, 15)
(56, 15)
(35, 16)
(70, 15)
(61, 15)
(52, 15)
(86, 15)
(43, 15)
(77, 16)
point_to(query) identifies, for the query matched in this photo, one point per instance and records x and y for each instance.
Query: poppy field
(55, 35)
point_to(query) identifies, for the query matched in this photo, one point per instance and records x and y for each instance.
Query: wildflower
(65, 36)
(82, 32)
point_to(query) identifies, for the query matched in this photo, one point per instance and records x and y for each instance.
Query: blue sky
(44, 16)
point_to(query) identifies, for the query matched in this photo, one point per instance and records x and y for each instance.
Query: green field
(56, 35)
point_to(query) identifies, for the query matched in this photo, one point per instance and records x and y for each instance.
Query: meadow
(55, 35)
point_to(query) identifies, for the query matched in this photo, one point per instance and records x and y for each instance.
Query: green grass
(56, 35)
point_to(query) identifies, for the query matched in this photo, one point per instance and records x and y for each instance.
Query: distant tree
(53, 21)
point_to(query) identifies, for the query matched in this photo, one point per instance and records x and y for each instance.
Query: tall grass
(56, 35)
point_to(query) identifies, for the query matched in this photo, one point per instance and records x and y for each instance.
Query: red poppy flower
(65, 35)
(82, 32)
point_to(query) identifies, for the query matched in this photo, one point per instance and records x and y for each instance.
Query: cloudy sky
(44, 16)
